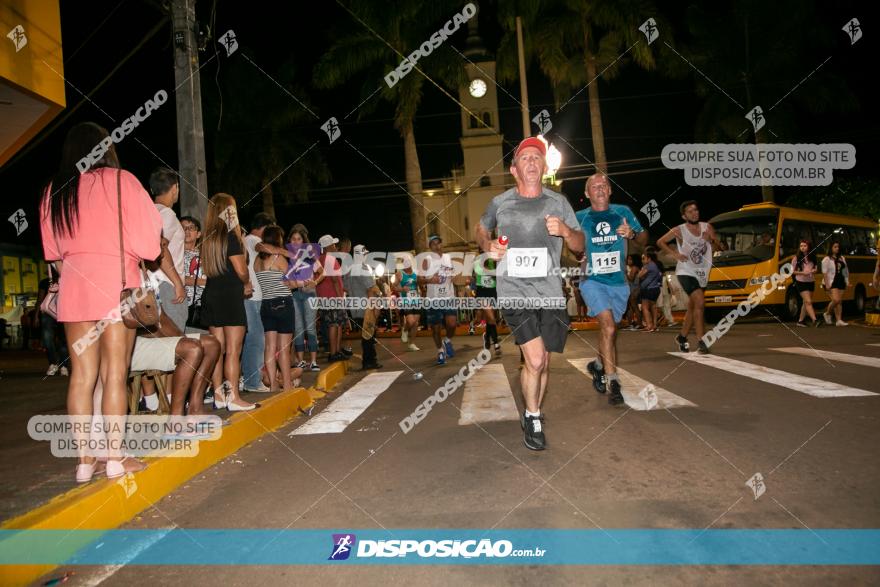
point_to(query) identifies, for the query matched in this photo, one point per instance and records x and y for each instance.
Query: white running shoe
(413, 347)
(63, 370)
(841, 323)
(52, 370)
(404, 337)
(827, 318)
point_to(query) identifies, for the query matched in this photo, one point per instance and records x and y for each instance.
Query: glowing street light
(554, 161)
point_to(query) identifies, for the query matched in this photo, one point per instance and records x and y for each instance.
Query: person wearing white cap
(331, 287)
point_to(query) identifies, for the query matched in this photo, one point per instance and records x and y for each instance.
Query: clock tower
(481, 141)
(455, 209)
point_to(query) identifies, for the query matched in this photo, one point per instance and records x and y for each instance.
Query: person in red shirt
(330, 286)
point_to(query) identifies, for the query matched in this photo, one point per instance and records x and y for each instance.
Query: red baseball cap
(531, 142)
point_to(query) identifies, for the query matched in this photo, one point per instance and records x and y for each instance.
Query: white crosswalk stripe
(831, 356)
(807, 385)
(487, 397)
(346, 408)
(632, 388)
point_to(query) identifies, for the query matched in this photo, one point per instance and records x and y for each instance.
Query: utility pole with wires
(190, 135)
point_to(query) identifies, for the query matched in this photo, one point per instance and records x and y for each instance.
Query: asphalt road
(606, 467)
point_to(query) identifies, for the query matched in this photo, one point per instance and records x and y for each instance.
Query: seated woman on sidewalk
(191, 358)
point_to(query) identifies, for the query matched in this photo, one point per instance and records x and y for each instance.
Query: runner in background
(407, 286)
(694, 240)
(607, 227)
(484, 278)
(439, 286)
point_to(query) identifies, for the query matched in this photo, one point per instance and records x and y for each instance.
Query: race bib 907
(527, 262)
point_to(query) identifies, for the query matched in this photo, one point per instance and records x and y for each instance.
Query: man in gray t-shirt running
(535, 221)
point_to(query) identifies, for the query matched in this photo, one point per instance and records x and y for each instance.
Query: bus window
(858, 241)
(750, 236)
(828, 233)
(793, 232)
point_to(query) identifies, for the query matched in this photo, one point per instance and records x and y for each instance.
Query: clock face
(477, 88)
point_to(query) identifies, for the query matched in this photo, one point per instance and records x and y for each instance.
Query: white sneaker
(413, 347)
(497, 349)
(827, 318)
(63, 370)
(404, 337)
(52, 370)
(841, 323)
(260, 389)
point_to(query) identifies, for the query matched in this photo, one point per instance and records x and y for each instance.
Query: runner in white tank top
(697, 251)
(695, 242)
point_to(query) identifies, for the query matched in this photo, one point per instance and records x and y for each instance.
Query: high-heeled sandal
(85, 472)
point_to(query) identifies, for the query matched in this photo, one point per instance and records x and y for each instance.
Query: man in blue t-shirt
(607, 228)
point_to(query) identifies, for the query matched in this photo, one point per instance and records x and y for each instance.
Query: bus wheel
(792, 304)
(860, 300)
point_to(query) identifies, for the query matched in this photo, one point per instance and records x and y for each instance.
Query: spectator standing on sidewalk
(193, 277)
(650, 281)
(330, 287)
(303, 280)
(362, 284)
(56, 348)
(165, 190)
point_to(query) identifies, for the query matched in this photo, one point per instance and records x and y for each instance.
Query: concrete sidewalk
(29, 475)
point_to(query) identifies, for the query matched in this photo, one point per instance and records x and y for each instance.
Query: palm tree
(757, 52)
(261, 138)
(575, 42)
(377, 37)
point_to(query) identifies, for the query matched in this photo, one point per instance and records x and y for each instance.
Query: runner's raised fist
(555, 226)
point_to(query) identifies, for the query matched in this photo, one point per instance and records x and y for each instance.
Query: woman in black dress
(224, 263)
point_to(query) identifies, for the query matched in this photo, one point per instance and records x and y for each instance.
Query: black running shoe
(703, 349)
(533, 432)
(347, 351)
(598, 376)
(615, 398)
(682, 342)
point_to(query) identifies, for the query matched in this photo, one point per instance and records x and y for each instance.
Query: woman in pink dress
(79, 219)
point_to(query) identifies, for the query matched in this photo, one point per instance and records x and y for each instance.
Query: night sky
(642, 112)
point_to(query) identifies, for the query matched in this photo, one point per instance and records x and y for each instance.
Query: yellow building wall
(37, 68)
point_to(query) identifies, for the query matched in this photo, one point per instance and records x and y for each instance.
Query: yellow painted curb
(872, 318)
(330, 376)
(107, 504)
(316, 393)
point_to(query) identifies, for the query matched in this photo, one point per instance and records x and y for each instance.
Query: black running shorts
(550, 325)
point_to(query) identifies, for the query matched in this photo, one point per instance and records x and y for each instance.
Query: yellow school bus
(760, 238)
